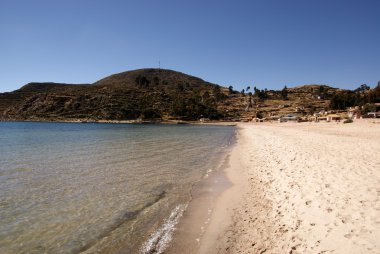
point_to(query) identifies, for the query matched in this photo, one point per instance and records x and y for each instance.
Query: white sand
(301, 188)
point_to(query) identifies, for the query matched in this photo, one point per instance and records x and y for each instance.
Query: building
(333, 117)
(373, 114)
(354, 113)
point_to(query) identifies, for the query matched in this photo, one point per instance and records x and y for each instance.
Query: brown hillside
(145, 93)
(155, 93)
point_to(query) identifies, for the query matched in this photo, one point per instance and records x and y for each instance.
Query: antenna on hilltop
(159, 65)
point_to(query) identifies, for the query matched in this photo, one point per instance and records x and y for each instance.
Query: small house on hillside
(354, 112)
(374, 114)
(320, 116)
(333, 117)
(203, 119)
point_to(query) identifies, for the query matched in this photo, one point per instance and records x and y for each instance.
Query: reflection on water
(97, 188)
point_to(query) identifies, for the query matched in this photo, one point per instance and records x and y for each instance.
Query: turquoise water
(99, 188)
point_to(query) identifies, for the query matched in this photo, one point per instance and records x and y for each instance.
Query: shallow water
(95, 188)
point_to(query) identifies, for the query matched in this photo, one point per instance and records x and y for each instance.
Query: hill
(144, 93)
(159, 94)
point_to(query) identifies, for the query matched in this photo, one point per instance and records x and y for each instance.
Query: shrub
(348, 121)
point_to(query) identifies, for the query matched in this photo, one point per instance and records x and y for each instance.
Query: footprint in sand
(348, 236)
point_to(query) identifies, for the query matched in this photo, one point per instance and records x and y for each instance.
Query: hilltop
(159, 94)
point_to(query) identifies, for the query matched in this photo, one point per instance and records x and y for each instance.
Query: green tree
(261, 94)
(259, 114)
(284, 93)
(142, 81)
(231, 89)
(343, 100)
(362, 88)
(369, 107)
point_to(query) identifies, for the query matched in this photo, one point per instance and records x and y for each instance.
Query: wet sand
(299, 188)
(210, 210)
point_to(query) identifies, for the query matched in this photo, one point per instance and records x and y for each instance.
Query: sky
(263, 43)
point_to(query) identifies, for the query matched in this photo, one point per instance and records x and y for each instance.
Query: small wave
(159, 240)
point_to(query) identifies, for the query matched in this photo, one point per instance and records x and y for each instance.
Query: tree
(261, 94)
(343, 100)
(259, 114)
(142, 81)
(321, 89)
(311, 109)
(284, 93)
(374, 94)
(231, 89)
(247, 89)
(362, 88)
(242, 91)
(369, 107)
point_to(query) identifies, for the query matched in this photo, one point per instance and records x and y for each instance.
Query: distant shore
(300, 188)
(137, 121)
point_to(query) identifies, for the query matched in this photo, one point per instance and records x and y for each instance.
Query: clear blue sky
(264, 43)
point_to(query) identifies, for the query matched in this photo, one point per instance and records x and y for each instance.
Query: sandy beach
(300, 188)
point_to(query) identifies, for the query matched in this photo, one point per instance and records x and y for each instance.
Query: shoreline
(137, 121)
(303, 188)
(187, 221)
(227, 202)
(201, 223)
